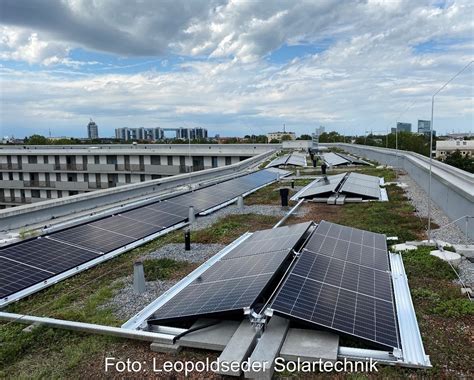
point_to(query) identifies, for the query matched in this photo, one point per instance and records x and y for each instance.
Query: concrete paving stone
(310, 345)
(213, 338)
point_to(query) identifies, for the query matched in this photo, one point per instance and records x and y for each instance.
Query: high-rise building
(424, 127)
(92, 130)
(403, 127)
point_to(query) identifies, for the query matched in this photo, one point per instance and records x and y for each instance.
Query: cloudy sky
(235, 67)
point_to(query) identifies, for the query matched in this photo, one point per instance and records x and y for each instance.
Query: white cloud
(368, 74)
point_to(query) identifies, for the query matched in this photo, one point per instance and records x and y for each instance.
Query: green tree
(459, 161)
(36, 140)
(285, 138)
(305, 137)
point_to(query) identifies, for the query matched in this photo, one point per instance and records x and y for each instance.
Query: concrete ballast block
(268, 347)
(165, 348)
(239, 347)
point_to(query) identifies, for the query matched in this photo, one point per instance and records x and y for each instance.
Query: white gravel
(451, 234)
(419, 199)
(198, 253)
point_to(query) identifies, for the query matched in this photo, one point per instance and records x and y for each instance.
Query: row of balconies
(19, 200)
(59, 185)
(96, 168)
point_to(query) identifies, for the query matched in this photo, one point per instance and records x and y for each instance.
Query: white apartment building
(466, 147)
(279, 135)
(35, 173)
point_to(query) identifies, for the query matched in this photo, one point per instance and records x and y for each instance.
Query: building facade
(156, 134)
(92, 130)
(403, 127)
(34, 173)
(134, 134)
(465, 147)
(279, 135)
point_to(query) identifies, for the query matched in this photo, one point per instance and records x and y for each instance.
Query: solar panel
(331, 286)
(127, 226)
(321, 186)
(360, 184)
(33, 261)
(354, 160)
(153, 216)
(236, 281)
(93, 238)
(278, 161)
(297, 159)
(169, 208)
(333, 159)
(268, 241)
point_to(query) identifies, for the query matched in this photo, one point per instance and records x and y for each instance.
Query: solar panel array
(278, 161)
(361, 184)
(342, 281)
(238, 279)
(296, 159)
(353, 160)
(31, 262)
(321, 186)
(333, 159)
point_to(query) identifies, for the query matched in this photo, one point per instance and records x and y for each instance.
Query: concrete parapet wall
(44, 211)
(452, 189)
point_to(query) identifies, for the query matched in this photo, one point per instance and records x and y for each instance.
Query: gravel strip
(203, 222)
(419, 199)
(450, 234)
(126, 303)
(198, 253)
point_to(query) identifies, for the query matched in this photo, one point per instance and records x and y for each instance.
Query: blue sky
(234, 67)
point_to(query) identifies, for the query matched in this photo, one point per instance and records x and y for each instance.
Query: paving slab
(165, 348)
(465, 250)
(213, 338)
(268, 347)
(309, 345)
(448, 256)
(239, 348)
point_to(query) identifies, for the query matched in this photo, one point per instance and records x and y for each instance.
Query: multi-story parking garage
(33, 173)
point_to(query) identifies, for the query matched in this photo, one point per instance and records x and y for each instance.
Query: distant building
(424, 127)
(403, 127)
(468, 135)
(279, 135)
(155, 134)
(133, 134)
(92, 130)
(466, 147)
